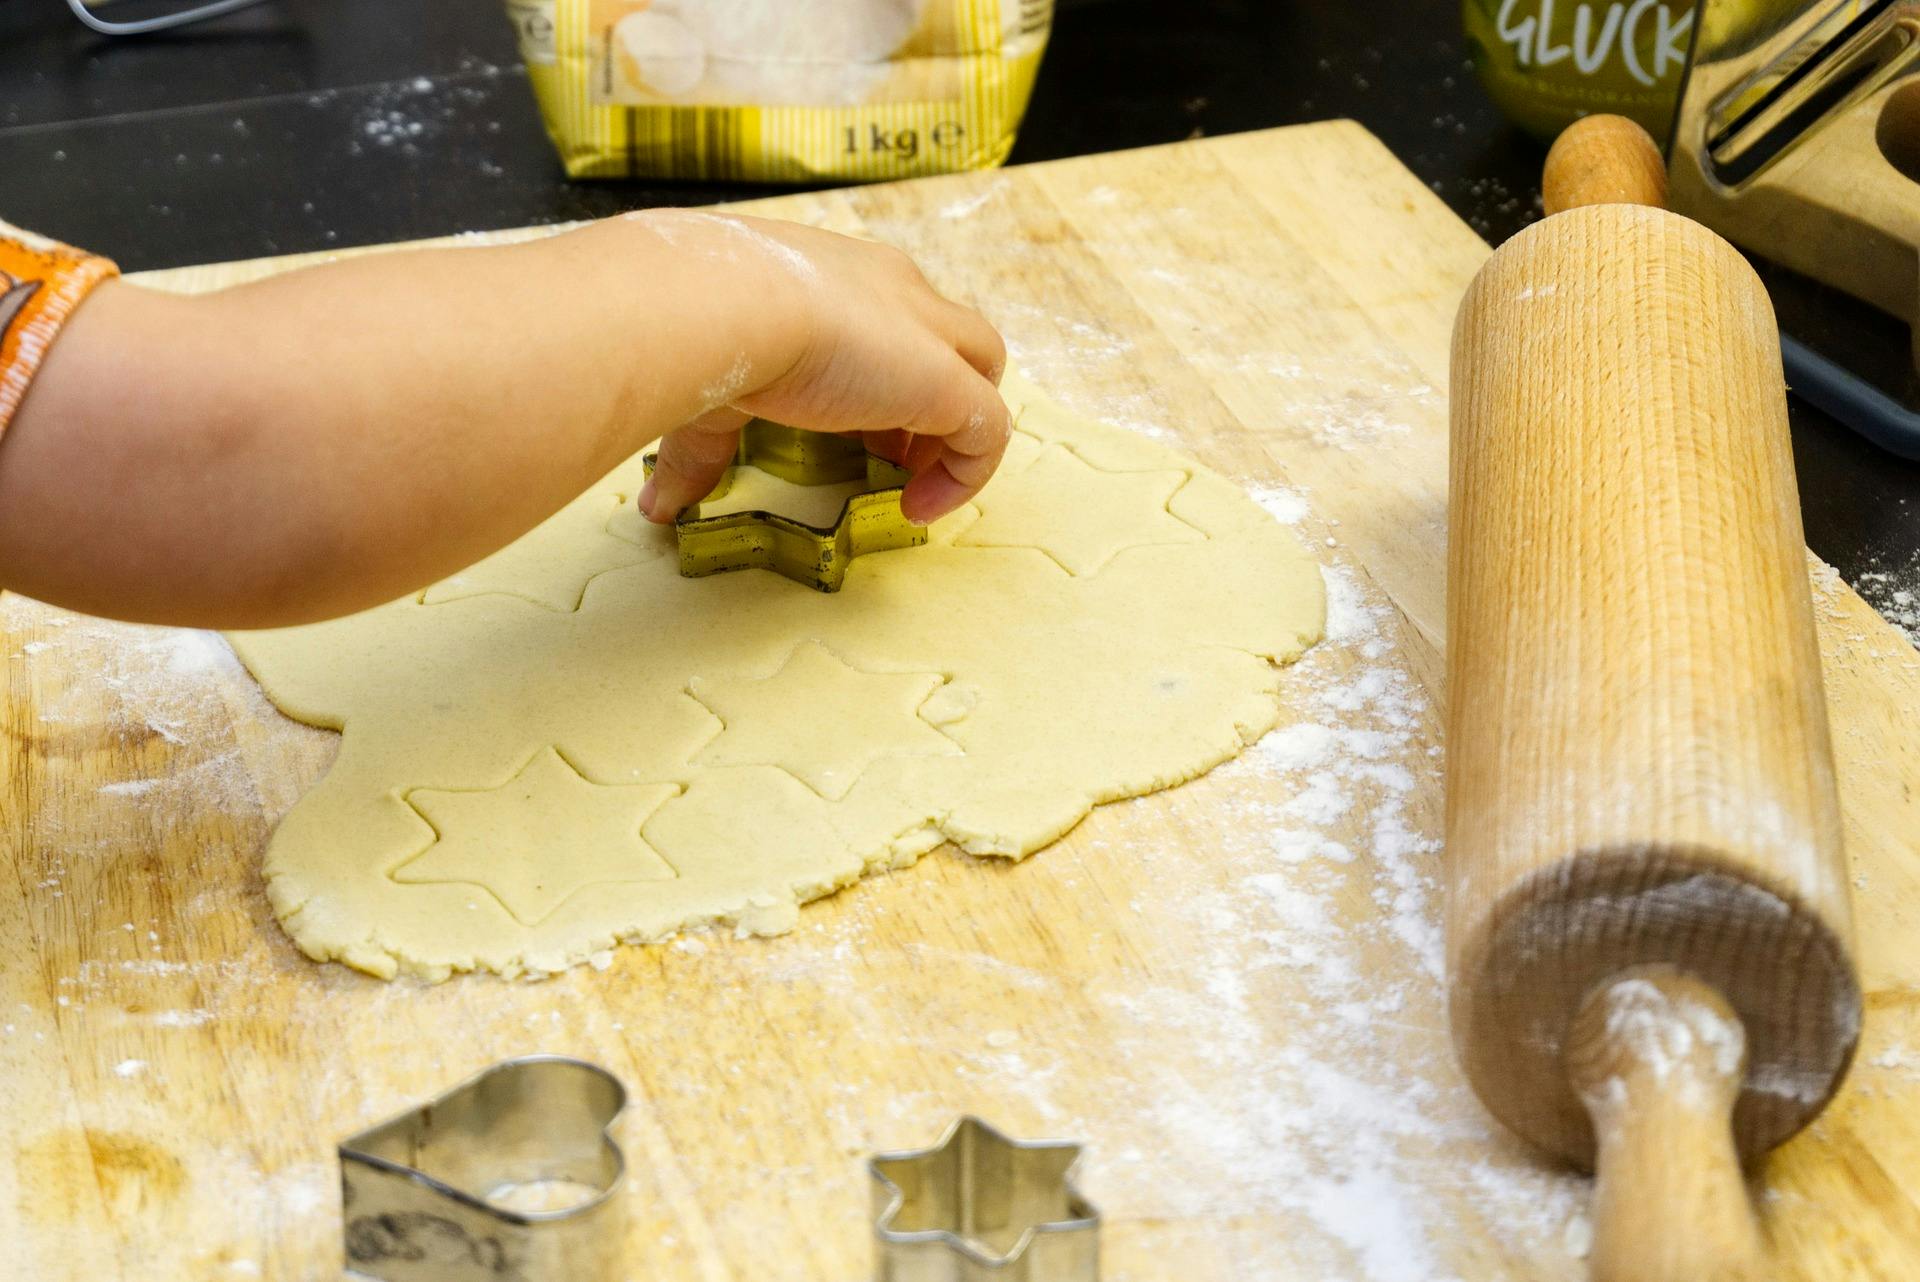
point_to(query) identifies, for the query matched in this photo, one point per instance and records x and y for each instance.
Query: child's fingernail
(922, 511)
(647, 498)
(931, 495)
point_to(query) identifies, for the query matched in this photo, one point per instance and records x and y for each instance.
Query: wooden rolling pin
(1648, 934)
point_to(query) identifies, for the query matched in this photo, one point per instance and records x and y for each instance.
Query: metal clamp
(980, 1207)
(1797, 136)
(463, 1188)
(869, 521)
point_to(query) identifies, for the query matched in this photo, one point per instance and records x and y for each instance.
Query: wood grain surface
(1229, 992)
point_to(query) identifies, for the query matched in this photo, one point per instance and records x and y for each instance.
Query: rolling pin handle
(1603, 160)
(1657, 1057)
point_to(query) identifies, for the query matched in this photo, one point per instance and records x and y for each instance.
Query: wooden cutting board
(1228, 991)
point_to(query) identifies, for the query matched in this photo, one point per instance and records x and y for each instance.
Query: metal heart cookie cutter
(869, 521)
(508, 1177)
(980, 1207)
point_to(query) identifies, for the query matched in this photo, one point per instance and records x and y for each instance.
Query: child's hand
(331, 438)
(872, 349)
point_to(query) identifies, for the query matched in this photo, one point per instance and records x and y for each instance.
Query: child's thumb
(691, 461)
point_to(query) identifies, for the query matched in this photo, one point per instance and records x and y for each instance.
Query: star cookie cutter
(870, 521)
(980, 1207)
(440, 1194)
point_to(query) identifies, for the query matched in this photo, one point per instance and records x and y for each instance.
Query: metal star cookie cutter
(980, 1207)
(424, 1195)
(817, 556)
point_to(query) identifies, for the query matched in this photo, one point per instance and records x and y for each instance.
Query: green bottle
(1545, 63)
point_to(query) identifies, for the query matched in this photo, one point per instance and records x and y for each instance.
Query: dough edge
(324, 933)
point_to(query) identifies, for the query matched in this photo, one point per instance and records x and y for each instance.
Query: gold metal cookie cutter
(981, 1207)
(870, 521)
(510, 1176)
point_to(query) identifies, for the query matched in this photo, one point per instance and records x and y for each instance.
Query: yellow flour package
(781, 90)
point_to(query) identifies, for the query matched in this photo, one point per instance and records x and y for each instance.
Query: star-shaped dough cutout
(1080, 515)
(551, 564)
(820, 720)
(539, 838)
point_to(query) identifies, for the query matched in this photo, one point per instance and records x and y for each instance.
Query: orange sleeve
(41, 282)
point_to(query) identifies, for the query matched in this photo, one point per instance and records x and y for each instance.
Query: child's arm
(329, 439)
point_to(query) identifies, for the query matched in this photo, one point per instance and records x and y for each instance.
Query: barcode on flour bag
(781, 90)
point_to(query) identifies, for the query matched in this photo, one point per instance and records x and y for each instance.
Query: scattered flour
(966, 206)
(1376, 1215)
(1896, 595)
(1353, 621)
(1051, 348)
(678, 227)
(399, 116)
(731, 384)
(1899, 1058)
(156, 691)
(1578, 1236)
(130, 1067)
(388, 127)
(1354, 1126)
(1289, 507)
(1665, 1035)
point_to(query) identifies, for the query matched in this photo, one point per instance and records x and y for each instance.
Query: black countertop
(312, 124)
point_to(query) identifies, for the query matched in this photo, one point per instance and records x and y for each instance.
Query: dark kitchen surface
(310, 124)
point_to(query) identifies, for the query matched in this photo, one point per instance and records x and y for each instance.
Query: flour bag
(781, 90)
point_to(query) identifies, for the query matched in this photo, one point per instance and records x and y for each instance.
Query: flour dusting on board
(967, 206)
(139, 687)
(1289, 507)
(1898, 1058)
(1060, 363)
(1354, 1126)
(1894, 603)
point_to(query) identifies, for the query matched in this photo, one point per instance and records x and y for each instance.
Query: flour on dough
(569, 745)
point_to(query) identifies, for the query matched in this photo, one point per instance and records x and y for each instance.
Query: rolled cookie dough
(569, 745)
